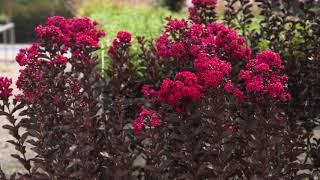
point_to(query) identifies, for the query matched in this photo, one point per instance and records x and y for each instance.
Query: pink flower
(204, 2)
(28, 54)
(144, 112)
(229, 45)
(184, 88)
(188, 78)
(138, 124)
(21, 57)
(61, 59)
(263, 76)
(57, 37)
(215, 28)
(155, 121)
(124, 37)
(73, 33)
(146, 117)
(269, 57)
(122, 42)
(262, 67)
(239, 95)
(5, 90)
(211, 71)
(228, 87)
(176, 25)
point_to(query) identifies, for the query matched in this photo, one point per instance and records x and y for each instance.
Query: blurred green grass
(140, 20)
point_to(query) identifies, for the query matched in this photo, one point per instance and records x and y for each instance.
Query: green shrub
(140, 20)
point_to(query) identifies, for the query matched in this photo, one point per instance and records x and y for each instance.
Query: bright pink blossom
(212, 72)
(155, 121)
(239, 95)
(124, 37)
(230, 46)
(122, 41)
(204, 2)
(42, 61)
(5, 90)
(184, 41)
(74, 33)
(182, 89)
(61, 59)
(146, 118)
(263, 76)
(228, 87)
(138, 124)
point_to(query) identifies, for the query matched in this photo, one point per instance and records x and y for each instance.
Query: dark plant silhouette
(208, 105)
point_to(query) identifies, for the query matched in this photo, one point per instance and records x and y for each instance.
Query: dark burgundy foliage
(292, 28)
(209, 104)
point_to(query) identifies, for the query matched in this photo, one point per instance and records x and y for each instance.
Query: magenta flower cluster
(60, 41)
(263, 76)
(205, 3)
(184, 41)
(60, 36)
(5, 89)
(146, 118)
(214, 51)
(183, 88)
(122, 42)
(76, 33)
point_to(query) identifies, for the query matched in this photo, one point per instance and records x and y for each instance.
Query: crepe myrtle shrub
(291, 28)
(219, 114)
(210, 109)
(58, 110)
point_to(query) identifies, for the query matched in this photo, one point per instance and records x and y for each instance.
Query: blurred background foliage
(141, 17)
(139, 20)
(26, 14)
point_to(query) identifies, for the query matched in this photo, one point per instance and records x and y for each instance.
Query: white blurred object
(189, 3)
(7, 31)
(8, 52)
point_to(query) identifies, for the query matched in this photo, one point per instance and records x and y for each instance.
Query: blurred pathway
(7, 163)
(8, 52)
